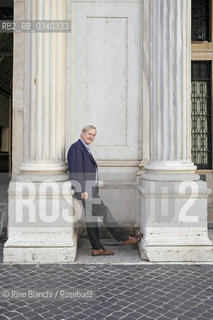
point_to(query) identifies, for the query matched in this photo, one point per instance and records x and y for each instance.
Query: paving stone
(34, 305)
(119, 314)
(98, 316)
(90, 312)
(40, 310)
(24, 309)
(141, 318)
(157, 303)
(183, 317)
(153, 314)
(57, 317)
(185, 307)
(112, 318)
(207, 314)
(8, 306)
(77, 309)
(19, 317)
(2, 317)
(136, 314)
(129, 317)
(106, 312)
(172, 315)
(68, 313)
(177, 311)
(115, 307)
(37, 317)
(20, 303)
(10, 314)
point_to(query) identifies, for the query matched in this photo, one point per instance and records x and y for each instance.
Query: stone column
(173, 199)
(44, 135)
(41, 227)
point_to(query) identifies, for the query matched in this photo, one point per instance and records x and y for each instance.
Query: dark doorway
(6, 75)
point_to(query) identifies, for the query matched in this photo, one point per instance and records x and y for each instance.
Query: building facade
(124, 67)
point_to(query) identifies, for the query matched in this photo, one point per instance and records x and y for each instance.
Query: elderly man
(84, 175)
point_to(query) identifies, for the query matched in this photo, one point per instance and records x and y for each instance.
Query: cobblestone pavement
(155, 291)
(1, 252)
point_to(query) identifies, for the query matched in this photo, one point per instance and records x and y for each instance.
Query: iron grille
(200, 20)
(201, 114)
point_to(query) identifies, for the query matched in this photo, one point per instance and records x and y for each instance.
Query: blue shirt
(86, 145)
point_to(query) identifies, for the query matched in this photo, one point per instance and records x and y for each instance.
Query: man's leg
(117, 232)
(93, 235)
(92, 231)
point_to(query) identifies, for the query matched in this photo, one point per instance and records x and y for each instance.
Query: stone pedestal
(174, 221)
(42, 196)
(173, 204)
(41, 223)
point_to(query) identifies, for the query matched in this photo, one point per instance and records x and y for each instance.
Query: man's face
(88, 136)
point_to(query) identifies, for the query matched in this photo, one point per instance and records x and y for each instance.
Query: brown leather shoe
(133, 240)
(101, 252)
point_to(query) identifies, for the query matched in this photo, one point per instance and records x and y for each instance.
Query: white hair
(87, 128)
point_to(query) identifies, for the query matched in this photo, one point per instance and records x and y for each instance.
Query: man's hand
(84, 195)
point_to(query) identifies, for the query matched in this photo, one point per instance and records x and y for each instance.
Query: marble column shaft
(170, 93)
(45, 53)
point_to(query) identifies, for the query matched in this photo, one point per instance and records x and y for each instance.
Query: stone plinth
(41, 223)
(174, 221)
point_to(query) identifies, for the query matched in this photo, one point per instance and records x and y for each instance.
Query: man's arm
(76, 168)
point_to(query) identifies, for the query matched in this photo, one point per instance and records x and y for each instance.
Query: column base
(176, 253)
(173, 219)
(40, 245)
(170, 171)
(42, 223)
(36, 171)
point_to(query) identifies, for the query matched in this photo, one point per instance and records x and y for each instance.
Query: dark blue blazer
(82, 167)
